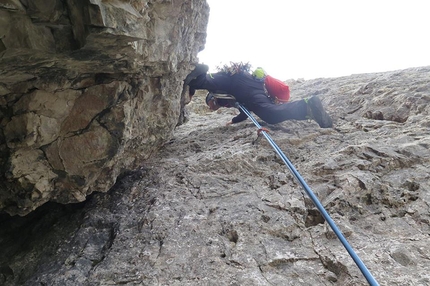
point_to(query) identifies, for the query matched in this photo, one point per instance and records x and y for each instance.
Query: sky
(293, 39)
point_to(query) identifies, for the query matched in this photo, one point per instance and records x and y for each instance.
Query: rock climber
(246, 89)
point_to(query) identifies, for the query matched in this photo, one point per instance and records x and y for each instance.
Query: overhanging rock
(88, 90)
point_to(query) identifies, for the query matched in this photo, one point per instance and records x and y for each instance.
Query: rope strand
(315, 200)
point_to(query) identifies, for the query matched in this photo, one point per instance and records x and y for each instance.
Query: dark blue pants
(251, 94)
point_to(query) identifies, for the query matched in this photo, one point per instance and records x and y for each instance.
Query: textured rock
(214, 208)
(88, 90)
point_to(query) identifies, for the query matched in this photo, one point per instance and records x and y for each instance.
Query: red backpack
(278, 90)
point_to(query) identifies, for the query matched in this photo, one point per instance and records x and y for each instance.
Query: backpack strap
(224, 96)
(222, 99)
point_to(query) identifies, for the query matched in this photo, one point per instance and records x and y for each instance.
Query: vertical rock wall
(216, 206)
(88, 90)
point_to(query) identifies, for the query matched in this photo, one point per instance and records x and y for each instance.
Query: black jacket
(250, 93)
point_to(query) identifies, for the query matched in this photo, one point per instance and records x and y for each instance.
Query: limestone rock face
(216, 206)
(88, 90)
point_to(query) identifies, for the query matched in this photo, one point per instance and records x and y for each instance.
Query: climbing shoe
(198, 70)
(316, 112)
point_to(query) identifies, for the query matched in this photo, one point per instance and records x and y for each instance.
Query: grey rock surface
(88, 89)
(216, 208)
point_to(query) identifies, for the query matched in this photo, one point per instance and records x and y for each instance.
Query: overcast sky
(319, 38)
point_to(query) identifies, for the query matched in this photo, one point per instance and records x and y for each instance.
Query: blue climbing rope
(315, 200)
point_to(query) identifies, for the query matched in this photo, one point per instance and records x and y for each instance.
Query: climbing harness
(315, 200)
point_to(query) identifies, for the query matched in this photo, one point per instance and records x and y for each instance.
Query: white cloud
(312, 38)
